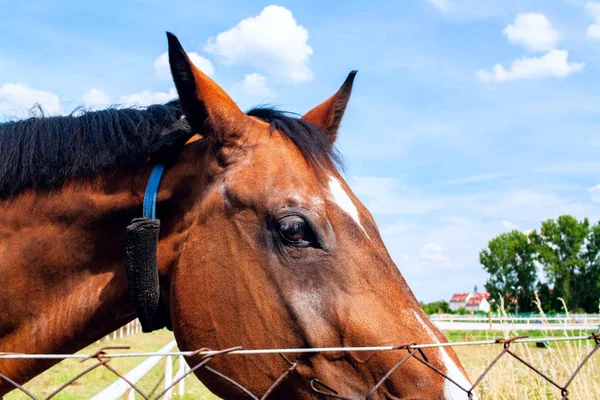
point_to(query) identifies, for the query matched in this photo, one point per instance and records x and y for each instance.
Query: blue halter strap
(152, 191)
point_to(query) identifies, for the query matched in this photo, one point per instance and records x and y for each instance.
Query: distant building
(474, 301)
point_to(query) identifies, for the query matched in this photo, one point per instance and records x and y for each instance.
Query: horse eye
(293, 229)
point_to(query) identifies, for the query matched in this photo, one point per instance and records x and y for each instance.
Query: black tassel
(141, 246)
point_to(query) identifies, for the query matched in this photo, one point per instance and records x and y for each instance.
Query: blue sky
(468, 118)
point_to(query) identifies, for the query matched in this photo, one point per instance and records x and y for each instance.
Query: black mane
(311, 140)
(45, 152)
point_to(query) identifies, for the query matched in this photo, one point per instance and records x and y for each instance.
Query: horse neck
(62, 268)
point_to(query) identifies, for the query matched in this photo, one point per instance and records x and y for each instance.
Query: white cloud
(148, 97)
(593, 9)
(16, 99)
(428, 246)
(593, 31)
(533, 31)
(474, 9)
(572, 168)
(255, 85)
(96, 98)
(529, 205)
(394, 228)
(432, 256)
(509, 225)
(443, 5)
(553, 64)
(272, 42)
(381, 196)
(414, 217)
(163, 70)
(595, 193)
(473, 179)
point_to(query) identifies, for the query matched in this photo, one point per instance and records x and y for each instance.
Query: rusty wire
(103, 357)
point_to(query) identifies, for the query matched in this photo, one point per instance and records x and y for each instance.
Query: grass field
(92, 383)
(508, 380)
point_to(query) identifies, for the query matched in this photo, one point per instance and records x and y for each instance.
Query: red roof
(459, 297)
(474, 300)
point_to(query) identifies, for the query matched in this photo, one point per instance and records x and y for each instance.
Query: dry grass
(510, 379)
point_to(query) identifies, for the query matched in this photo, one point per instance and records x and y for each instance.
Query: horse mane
(309, 139)
(46, 152)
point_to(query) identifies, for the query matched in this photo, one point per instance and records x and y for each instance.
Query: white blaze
(342, 199)
(451, 391)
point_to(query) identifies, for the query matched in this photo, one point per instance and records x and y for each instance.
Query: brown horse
(262, 244)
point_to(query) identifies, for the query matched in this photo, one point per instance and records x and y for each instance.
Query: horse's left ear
(328, 115)
(209, 110)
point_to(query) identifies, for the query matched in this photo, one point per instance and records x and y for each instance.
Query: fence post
(181, 372)
(131, 394)
(168, 378)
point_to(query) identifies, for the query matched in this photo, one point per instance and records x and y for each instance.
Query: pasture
(509, 379)
(92, 383)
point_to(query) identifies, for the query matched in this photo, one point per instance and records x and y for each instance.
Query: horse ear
(206, 106)
(328, 115)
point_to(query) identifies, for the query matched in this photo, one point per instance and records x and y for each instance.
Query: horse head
(275, 251)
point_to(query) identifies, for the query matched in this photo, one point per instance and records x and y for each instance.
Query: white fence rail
(120, 387)
(503, 326)
(572, 318)
(533, 323)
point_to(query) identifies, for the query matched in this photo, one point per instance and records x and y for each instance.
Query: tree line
(561, 260)
(443, 307)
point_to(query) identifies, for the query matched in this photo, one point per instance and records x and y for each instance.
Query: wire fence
(102, 357)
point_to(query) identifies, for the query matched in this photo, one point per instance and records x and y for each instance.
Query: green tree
(560, 247)
(546, 297)
(436, 307)
(510, 261)
(463, 311)
(589, 296)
